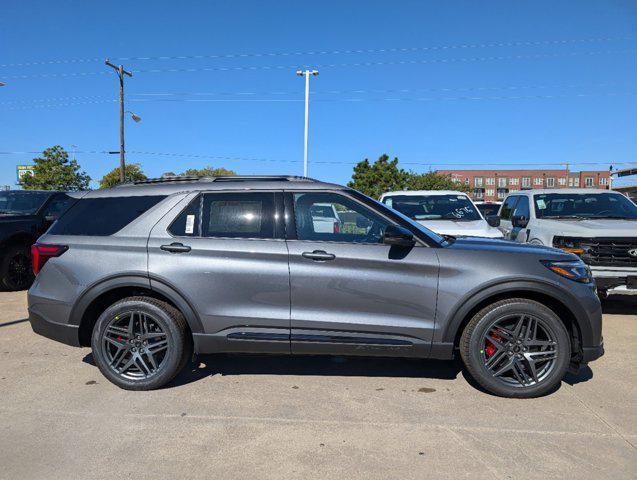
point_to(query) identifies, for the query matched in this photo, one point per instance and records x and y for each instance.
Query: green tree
(201, 172)
(385, 176)
(377, 178)
(132, 172)
(54, 171)
(433, 181)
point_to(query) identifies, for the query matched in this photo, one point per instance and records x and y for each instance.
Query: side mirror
(493, 220)
(395, 235)
(519, 221)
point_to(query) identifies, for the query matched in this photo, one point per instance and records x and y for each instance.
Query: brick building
(493, 185)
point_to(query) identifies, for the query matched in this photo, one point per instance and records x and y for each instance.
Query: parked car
(24, 216)
(598, 225)
(146, 273)
(488, 208)
(445, 212)
(325, 218)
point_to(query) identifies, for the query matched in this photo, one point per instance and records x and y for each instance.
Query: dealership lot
(280, 417)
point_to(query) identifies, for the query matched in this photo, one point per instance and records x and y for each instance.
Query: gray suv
(150, 273)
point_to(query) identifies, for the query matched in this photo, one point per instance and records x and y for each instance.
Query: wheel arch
(99, 296)
(556, 299)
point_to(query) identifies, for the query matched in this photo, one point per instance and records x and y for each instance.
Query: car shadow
(620, 305)
(232, 365)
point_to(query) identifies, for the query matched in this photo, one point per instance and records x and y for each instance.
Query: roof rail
(220, 178)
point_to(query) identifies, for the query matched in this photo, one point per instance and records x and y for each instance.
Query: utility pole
(120, 73)
(306, 74)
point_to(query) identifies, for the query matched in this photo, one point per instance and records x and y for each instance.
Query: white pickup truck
(598, 225)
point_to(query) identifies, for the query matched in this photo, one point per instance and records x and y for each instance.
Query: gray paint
(255, 295)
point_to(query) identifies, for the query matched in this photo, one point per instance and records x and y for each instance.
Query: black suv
(24, 216)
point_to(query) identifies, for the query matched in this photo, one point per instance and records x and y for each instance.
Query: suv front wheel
(516, 348)
(140, 343)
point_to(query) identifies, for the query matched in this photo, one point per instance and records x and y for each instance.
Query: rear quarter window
(102, 216)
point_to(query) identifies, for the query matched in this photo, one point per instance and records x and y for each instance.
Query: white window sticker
(190, 223)
(541, 204)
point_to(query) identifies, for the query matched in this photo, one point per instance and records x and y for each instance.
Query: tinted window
(20, 202)
(522, 208)
(584, 205)
(188, 223)
(354, 222)
(488, 209)
(434, 207)
(238, 215)
(58, 206)
(507, 207)
(102, 216)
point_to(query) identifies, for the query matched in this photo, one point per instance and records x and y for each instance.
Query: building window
(502, 182)
(466, 182)
(490, 192)
(526, 182)
(577, 181)
(550, 182)
(514, 181)
(537, 181)
(477, 182)
(478, 193)
(570, 182)
(562, 181)
(502, 192)
(603, 181)
(589, 181)
(490, 181)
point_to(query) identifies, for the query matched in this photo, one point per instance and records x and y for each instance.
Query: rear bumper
(68, 334)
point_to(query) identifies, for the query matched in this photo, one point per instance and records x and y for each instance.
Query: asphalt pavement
(236, 417)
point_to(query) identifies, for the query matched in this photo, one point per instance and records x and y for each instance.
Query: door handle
(319, 255)
(176, 248)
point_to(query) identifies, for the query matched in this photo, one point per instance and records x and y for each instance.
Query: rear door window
(102, 216)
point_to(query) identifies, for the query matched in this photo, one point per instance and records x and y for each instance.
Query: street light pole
(120, 73)
(306, 74)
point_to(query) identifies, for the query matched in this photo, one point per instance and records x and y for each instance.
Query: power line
(327, 162)
(461, 46)
(328, 65)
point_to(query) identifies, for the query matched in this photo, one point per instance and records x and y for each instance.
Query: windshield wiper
(562, 217)
(620, 217)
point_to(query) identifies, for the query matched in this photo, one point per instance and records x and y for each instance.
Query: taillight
(40, 253)
(337, 227)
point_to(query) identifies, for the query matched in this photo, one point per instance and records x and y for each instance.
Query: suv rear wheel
(15, 269)
(516, 348)
(141, 343)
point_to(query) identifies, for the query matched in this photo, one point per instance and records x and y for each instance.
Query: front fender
(582, 307)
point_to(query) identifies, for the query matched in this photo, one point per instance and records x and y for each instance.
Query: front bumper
(623, 279)
(68, 334)
(592, 353)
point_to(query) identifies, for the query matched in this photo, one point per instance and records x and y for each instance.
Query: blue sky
(440, 84)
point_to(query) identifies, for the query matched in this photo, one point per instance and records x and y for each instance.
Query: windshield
(584, 205)
(489, 208)
(433, 235)
(434, 207)
(18, 202)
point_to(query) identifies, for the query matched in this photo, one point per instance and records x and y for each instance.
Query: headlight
(569, 244)
(577, 271)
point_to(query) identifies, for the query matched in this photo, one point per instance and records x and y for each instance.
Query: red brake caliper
(490, 348)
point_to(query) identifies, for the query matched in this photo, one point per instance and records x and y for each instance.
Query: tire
(15, 269)
(153, 355)
(503, 366)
